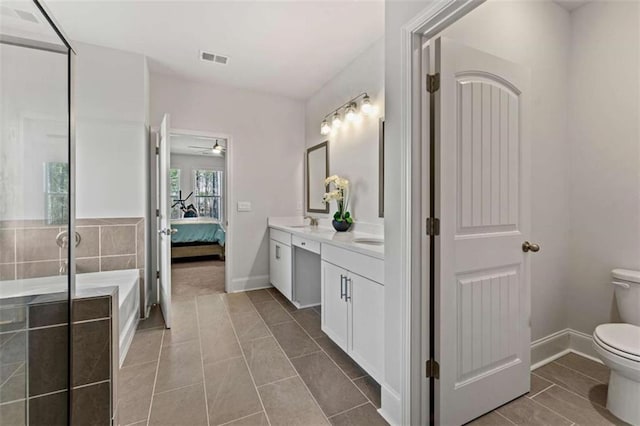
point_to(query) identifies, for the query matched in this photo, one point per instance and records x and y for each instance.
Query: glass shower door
(36, 217)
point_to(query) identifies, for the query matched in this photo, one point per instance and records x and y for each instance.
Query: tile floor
(569, 391)
(239, 359)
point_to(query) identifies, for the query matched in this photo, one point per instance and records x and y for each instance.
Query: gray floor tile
(333, 390)
(155, 319)
(180, 365)
(538, 384)
(286, 304)
(13, 414)
(272, 312)
(145, 347)
(258, 419)
(359, 416)
(309, 319)
(184, 323)
(267, 361)
(370, 388)
(288, 402)
(219, 342)
(526, 411)
(135, 389)
(211, 309)
(590, 368)
(249, 326)
(258, 296)
(575, 408)
(231, 393)
(180, 407)
(293, 339)
(344, 361)
(570, 379)
(237, 302)
(491, 419)
(14, 388)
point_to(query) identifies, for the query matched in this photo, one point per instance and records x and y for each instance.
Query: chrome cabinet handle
(532, 247)
(347, 281)
(168, 231)
(342, 282)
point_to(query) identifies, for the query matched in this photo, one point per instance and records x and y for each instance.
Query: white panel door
(482, 195)
(164, 223)
(366, 299)
(334, 304)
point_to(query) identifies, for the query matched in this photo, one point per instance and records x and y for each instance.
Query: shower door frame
(68, 50)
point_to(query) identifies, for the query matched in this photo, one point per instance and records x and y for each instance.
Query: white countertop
(330, 236)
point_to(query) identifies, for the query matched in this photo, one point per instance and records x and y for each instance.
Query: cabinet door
(280, 267)
(366, 301)
(334, 305)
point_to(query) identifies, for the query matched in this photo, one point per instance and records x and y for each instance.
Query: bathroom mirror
(381, 168)
(317, 172)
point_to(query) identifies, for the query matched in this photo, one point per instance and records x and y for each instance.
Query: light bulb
(336, 121)
(217, 147)
(325, 129)
(366, 107)
(351, 114)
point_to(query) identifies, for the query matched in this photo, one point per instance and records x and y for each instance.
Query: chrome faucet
(313, 221)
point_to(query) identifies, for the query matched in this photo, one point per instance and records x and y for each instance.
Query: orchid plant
(341, 196)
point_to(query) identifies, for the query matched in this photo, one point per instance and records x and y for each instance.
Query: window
(208, 193)
(56, 193)
(174, 185)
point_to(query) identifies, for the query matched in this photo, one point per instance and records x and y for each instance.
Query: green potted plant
(342, 219)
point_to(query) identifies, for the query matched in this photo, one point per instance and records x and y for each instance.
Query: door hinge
(157, 150)
(157, 212)
(433, 82)
(433, 226)
(158, 274)
(432, 369)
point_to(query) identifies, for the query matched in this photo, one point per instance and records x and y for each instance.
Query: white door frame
(229, 201)
(426, 24)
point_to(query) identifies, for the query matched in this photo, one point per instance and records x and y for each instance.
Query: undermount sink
(299, 226)
(369, 241)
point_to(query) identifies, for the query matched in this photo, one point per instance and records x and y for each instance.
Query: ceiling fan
(216, 148)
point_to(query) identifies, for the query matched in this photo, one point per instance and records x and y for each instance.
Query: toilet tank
(627, 290)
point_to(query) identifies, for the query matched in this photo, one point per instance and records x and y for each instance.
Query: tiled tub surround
(28, 249)
(34, 364)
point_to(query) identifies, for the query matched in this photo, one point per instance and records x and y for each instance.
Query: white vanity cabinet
(353, 306)
(280, 261)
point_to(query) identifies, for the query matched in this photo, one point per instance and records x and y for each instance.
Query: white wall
(188, 163)
(604, 122)
(267, 147)
(353, 149)
(110, 133)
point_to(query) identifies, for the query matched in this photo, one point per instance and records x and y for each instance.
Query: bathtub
(128, 296)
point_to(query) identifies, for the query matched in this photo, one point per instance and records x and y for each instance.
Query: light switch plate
(244, 206)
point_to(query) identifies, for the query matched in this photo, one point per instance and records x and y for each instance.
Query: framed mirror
(381, 168)
(317, 172)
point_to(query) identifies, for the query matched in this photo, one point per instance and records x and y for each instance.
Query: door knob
(527, 246)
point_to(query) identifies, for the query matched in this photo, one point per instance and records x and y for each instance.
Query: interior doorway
(193, 184)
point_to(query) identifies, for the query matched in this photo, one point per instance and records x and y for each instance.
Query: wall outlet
(244, 206)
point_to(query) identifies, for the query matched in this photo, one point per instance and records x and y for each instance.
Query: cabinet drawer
(281, 236)
(366, 266)
(306, 244)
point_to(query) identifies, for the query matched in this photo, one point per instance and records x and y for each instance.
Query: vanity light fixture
(351, 113)
(217, 147)
(325, 129)
(336, 122)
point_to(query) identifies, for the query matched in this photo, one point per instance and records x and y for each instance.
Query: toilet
(618, 345)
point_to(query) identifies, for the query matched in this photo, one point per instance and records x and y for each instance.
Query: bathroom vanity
(343, 273)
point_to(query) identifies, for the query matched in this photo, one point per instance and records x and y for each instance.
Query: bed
(198, 236)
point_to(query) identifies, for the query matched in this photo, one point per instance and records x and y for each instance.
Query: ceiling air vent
(27, 16)
(211, 57)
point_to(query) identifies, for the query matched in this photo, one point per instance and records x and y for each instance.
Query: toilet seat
(620, 339)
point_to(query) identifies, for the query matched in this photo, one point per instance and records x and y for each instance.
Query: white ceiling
(288, 47)
(183, 144)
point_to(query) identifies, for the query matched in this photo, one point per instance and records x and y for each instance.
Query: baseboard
(560, 343)
(391, 406)
(249, 283)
